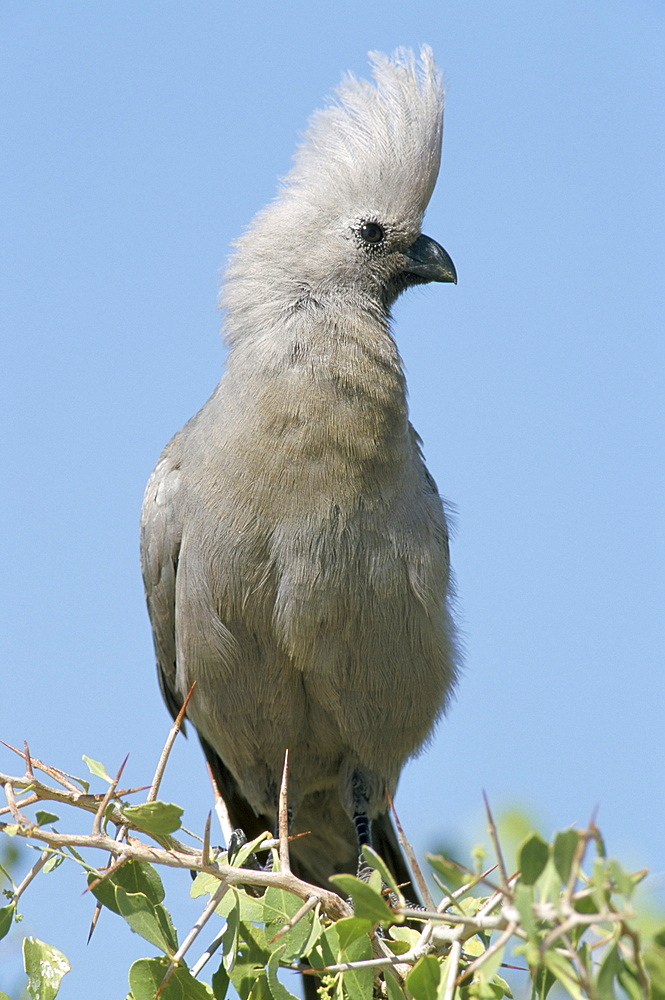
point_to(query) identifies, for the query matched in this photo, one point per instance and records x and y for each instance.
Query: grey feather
(294, 546)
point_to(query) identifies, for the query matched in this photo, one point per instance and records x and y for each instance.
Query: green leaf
(260, 989)
(599, 880)
(279, 909)
(248, 974)
(45, 966)
(98, 769)
(277, 988)
(543, 981)
(376, 862)
(315, 931)
(220, 982)
(393, 986)
(135, 892)
(53, 862)
(564, 972)
(146, 976)
(620, 878)
(158, 818)
(448, 871)
(629, 980)
(422, 982)
(243, 853)
(231, 934)
(251, 907)
(357, 983)
(548, 886)
(563, 852)
(6, 919)
(607, 972)
(43, 817)
(490, 966)
(367, 903)
(524, 903)
(133, 876)
(3, 996)
(151, 920)
(532, 859)
(349, 929)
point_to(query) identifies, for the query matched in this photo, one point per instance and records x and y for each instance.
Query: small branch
(53, 772)
(283, 817)
(366, 963)
(492, 950)
(179, 857)
(36, 868)
(11, 804)
(214, 901)
(302, 912)
(28, 760)
(221, 810)
(205, 848)
(454, 959)
(170, 740)
(497, 846)
(201, 962)
(452, 897)
(637, 957)
(408, 850)
(99, 815)
(482, 923)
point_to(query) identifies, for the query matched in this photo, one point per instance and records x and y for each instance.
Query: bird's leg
(361, 821)
(363, 825)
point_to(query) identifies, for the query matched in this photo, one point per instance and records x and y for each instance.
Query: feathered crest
(377, 140)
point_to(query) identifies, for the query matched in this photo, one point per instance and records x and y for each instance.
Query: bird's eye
(371, 232)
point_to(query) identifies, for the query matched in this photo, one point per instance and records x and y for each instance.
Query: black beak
(427, 259)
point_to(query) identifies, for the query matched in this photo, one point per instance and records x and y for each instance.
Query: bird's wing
(161, 535)
(161, 538)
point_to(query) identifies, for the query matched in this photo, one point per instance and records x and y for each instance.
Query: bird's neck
(325, 386)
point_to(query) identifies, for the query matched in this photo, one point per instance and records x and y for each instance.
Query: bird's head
(346, 224)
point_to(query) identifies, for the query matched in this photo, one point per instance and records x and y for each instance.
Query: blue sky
(138, 141)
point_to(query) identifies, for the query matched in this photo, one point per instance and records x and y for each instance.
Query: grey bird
(294, 545)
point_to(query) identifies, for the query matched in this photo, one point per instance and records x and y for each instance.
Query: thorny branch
(445, 929)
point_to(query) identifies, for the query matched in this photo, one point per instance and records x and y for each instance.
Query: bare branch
(497, 846)
(408, 850)
(170, 740)
(283, 817)
(99, 815)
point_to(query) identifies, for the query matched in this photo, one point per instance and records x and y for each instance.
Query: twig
(112, 868)
(283, 817)
(170, 740)
(205, 847)
(497, 846)
(302, 912)
(221, 810)
(53, 772)
(637, 958)
(28, 761)
(28, 801)
(36, 868)
(408, 850)
(208, 953)
(99, 815)
(491, 950)
(454, 959)
(482, 923)
(452, 897)
(11, 803)
(214, 901)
